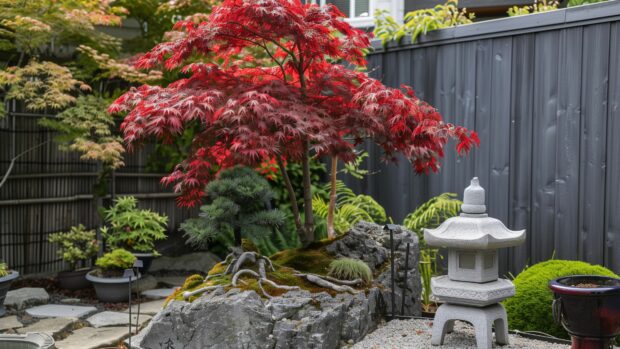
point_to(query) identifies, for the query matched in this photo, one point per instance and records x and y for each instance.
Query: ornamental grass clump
(350, 269)
(76, 246)
(530, 308)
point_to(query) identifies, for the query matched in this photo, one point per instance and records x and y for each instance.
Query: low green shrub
(117, 260)
(530, 308)
(4, 270)
(76, 245)
(350, 269)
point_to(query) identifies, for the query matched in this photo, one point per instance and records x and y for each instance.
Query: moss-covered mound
(530, 308)
(313, 259)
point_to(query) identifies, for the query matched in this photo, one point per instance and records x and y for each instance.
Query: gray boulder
(297, 319)
(370, 243)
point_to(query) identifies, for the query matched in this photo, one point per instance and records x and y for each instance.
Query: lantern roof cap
(473, 229)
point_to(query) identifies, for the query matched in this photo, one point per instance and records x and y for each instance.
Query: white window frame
(360, 21)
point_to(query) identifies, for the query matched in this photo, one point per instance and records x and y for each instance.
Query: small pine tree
(239, 205)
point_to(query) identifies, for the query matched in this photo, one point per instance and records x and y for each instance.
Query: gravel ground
(409, 334)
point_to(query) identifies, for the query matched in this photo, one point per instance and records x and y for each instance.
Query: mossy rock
(308, 260)
(530, 308)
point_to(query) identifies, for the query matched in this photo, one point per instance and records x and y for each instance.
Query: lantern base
(482, 319)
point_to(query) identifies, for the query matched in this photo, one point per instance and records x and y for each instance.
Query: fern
(350, 208)
(420, 21)
(432, 213)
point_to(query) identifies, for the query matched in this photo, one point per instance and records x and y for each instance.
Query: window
(350, 8)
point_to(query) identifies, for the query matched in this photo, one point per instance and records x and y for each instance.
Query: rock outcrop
(296, 319)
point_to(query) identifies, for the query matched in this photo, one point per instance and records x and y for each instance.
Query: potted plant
(108, 280)
(75, 247)
(134, 229)
(588, 307)
(6, 278)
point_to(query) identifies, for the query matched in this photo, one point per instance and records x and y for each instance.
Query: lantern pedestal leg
(482, 319)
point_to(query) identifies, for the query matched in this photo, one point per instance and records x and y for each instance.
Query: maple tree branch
(10, 169)
(331, 233)
(277, 43)
(291, 195)
(307, 183)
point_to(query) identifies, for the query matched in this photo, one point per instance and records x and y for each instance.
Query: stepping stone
(113, 318)
(59, 310)
(172, 281)
(25, 297)
(70, 301)
(150, 308)
(146, 282)
(51, 326)
(9, 322)
(158, 293)
(90, 338)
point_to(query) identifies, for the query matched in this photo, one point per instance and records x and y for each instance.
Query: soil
(587, 285)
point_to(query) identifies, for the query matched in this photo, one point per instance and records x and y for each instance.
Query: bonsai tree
(240, 197)
(113, 264)
(305, 101)
(133, 228)
(76, 246)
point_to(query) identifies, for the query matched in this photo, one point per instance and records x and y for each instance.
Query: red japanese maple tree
(303, 102)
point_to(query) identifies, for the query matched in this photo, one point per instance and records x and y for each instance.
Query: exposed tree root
(188, 294)
(318, 280)
(342, 282)
(237, 260)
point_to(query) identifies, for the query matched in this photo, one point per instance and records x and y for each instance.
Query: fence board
(612, 204)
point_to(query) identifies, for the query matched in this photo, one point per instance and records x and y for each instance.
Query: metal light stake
(137, 265)
(129, 273)
(390, 228)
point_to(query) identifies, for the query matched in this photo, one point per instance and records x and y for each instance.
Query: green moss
(350, 269)
(217, 269)
(530, 308)
(307, 260)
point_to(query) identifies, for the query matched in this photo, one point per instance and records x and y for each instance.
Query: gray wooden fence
(50, 190)
(543, 92)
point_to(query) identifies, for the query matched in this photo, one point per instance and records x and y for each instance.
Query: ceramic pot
(110, 290)
(147, 259)
(5, 283)
(588, 307)
(73, 280)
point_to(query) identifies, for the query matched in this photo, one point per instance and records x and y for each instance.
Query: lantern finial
(473, 198)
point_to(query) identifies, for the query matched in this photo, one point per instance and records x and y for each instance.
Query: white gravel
(402, 334)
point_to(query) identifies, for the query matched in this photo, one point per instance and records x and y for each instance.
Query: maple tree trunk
(331, 233)
(308, 215)
(292, 197)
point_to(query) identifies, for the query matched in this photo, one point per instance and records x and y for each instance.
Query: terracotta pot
(73, 280)
(588, 307)
(110, 290)
(5, 283)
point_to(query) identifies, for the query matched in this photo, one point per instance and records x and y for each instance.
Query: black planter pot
(110, 290)
(73, 280)
(590, 315)
(5, 283)
(147, 259)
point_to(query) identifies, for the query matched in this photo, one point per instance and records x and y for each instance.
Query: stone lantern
(472, 289)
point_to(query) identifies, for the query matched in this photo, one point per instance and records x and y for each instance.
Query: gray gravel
(401, 334)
